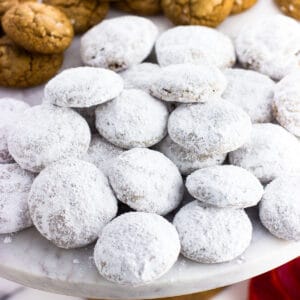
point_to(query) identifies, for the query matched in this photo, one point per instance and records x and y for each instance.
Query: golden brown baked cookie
(38, 27)
(140, 7)
(19, 68)
(290, 7)
(242, 5)
(198, 12)
(83, 14)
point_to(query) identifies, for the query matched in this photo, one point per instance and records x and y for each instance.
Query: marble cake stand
(29, 259)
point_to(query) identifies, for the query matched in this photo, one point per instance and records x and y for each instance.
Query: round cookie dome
(136, 248)
(15, 185)
(118, 43)
(252, 91)
(225, 186)
(195, 45)
(185, 160)
(270, 46)
(279, 209)
(211, 234)
(188, 83)
(134, 119)
(83, 87)
(214, 127)
(146, 181)
(270, 152)
(70, 201)
(45, 134)
(10, 110)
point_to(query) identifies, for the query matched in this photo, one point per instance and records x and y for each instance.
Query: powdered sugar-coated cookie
(196, 45)
(286, 105)
(10, 110)
(140, 76)
(188, 83)
(15, 185)
(279, 209)
(118, 43)
(251, 91)
(270, 152)
(45, 134)
(270, 46)
(102, 153)
(146, 181)
(136, 248)
(134, 119)
(214, 127)
(83, 87)
(225, 186)
(185, 160)
(70, 201)
(211, 234)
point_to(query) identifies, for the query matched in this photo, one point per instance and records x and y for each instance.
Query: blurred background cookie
(83, 14)
(19, 68)
(242, 5)
(141, 7)
(199, 12)
(290, 7)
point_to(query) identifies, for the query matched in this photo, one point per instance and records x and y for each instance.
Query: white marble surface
(29, 259)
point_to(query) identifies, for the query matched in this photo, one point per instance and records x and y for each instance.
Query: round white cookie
(252, 91)
(15, 185)
(118, 43)
(83, 87)
(10, 111)
(136, 248)
(214, 127)
(45, 134)
(185, 160)
(212, 234)
(134, 119)
(279, 209)
(195, 45)
(225, 186)
(140, 76)
(271, 152)
(102, 153)
(70, 201)
(270, 46)
(286, 103)
(146, 181)
(188, 83)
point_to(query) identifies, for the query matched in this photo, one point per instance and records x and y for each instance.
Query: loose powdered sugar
(70, 202)
(83, 87)
(196, 45)
(15, 184)
(271, 46)
(213, 127)
(271, 152)
(45, 134)
(188, 83)
(185, 160)
(211, 234)
(279, 209)
(136, 248)
(251, 91)
(10, 110)
(118, 43)
(146, 181)
(225, 186)
(134, 119)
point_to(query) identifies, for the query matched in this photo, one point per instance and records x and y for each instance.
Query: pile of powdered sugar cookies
(123, 130)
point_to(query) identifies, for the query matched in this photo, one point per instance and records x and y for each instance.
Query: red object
(282, 283)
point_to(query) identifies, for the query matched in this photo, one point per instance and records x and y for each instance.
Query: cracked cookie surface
(200, 12)
(38, 27)
(83, 14)
(19, 68)
(241, 5)
(141, 7)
